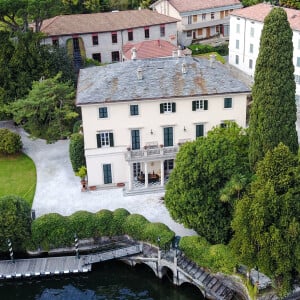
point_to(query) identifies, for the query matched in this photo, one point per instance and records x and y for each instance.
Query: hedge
(217, 258)
(54, 230)
(202, 48)
(76, 126)
(10, 142)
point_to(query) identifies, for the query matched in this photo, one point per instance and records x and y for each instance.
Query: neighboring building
(149, 49)
(101, 36)
(135, 115)
(246, 25)
(198, 19)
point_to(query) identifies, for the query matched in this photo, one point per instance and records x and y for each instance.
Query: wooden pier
(25, 268)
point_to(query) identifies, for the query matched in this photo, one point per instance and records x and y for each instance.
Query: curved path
(59, 190)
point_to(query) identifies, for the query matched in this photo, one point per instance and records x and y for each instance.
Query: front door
(207, 32)
(107, 173)
(168, 136)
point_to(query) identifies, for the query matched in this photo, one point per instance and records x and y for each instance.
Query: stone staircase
(213, 285)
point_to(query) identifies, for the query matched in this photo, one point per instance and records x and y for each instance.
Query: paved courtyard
(59, 190)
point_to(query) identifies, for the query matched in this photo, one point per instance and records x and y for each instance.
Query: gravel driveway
(59, 190)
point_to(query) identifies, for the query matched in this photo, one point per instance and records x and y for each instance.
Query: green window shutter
(199, 130)
(205, 104)
(161, 108)
(193, 105)
(111, 139)
(173, 107)
(98, 140)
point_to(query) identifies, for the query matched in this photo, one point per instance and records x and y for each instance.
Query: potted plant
(82, 172)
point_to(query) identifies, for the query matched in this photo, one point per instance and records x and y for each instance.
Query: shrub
(76, 151)
(52, 230)
(134, 226)
(103, 221)
(119, 217)
(83, 224)
(154, 230)
(15, 222)
(76, 126)
(10, 142)
(202, 48)
(218, 258)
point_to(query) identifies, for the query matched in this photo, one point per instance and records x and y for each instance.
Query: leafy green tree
(273, 112)
(266, 221)
(203, 168)
(76, 151)
(15, 220)
(48, 111)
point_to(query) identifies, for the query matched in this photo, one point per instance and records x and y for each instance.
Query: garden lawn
(17, 176)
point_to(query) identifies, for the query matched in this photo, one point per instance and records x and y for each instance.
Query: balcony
(214, 22)
(151, 153)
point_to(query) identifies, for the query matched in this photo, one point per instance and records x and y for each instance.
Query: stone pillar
(162, 173)
(146, 174)
(130, 177)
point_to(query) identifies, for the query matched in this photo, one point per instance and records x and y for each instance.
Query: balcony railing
(155, 153)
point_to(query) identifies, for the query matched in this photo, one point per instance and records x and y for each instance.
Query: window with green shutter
(134, 110)
(103, 112)
(107, 176)
(105, 139)
(227, 102)
(135, 139)
(199, 130)
(199, 105)
(167, 107)
(168, 136)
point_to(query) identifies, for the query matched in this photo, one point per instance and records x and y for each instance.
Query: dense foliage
(273, 111)
(15, 220)
(201, 49)
(48, 111)
(10, 142)
(266, 222)
(202, 169)
(76, 151)
(53, 230)
(217, 258)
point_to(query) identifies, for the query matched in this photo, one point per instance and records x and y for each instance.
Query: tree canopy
(15, 220)
(202, 169)
(266, 221)
(48, 111)
(273, 111)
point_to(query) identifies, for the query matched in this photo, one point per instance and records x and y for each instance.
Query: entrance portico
(149, 167)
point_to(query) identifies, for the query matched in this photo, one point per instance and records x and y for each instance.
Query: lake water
(108, 281)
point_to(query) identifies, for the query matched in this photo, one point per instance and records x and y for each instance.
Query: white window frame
(238, 28)
(251, 47)
(237, 44)
(252, 31)
(250, 64)
(200, 104)
(104, 138)
(167, 107)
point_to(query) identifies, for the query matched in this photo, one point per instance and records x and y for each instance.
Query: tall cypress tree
(273, 111)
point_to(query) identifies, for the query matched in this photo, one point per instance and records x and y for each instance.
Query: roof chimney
(133, 53)
(139, 73)
(183, 68)
(174, 53)
(212, 59)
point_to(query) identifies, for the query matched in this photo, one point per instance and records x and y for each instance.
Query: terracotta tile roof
(149, 49)
(190, 5)
(260, 11)
(102, 22)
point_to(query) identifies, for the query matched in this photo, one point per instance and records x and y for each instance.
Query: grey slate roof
(162, 78)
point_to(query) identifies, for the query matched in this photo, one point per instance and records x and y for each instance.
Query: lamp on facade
(151, 132)
(184, 129)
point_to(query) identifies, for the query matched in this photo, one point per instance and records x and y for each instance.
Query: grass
(17, 176)
(218, 56)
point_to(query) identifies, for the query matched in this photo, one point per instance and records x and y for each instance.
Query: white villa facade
(198, 19)
(136, 114)
(246, 26)
(101, 36)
